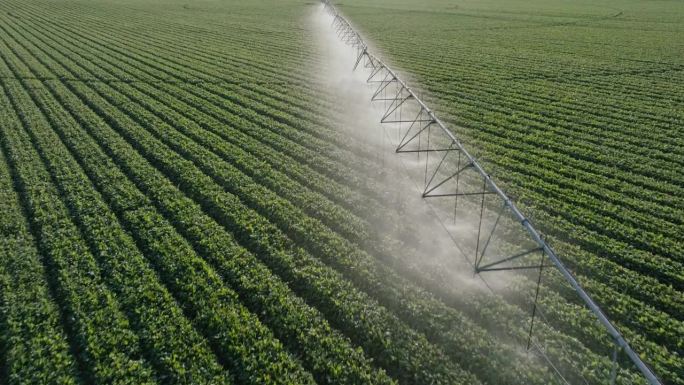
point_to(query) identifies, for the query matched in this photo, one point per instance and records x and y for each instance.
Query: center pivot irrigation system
(446, 143)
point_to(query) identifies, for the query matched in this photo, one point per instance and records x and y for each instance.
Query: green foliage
(180, 209)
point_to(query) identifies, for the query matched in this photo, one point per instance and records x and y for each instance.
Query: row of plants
(470, 95)
(171, 156)
(151, 124)
(313, 203)
(108, 349)
(666, 362)
(277, 142)
(328, 353)
(648, 313)
(635, 258)
(399, 337)
(243, 344)
(584, 97)
(154, 314)
(498, 64)
(190, 72)
(497, 94)
(307, 140)
(238, 218)
(635, 183)
(33, 344)
(602, 128)
(593, 241)
(474, 91)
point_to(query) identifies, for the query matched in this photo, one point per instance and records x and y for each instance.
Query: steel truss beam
(403, 95)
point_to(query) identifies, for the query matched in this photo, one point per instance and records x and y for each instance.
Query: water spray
(445, 143)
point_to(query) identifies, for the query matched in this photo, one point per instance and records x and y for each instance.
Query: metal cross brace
(397, 102)
(488, 267)
(427, 191)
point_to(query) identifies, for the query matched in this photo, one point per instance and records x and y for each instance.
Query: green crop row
(592, 155)
(577, 158)
(583, 324)
(179, 72)
(433, 373)
(164, 333)
(581, 100)
(187, 146)
(470, 97)
(216, 202)
(33, 345)
(182, 71)
(292, 148)
(108, 348)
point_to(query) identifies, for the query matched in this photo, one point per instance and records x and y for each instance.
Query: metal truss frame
(385, 81)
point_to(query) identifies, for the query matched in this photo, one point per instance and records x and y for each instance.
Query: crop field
(181, 204)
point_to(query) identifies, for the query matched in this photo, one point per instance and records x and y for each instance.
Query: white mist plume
(400, 176)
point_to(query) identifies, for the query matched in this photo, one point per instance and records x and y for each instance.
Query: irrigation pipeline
(353, 38)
